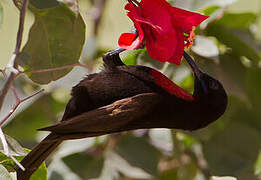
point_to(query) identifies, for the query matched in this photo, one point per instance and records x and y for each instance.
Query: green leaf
(56, 176)
(253, 86)
(258, 165)
(233, 148)
(40, 4)
(86, 166)
(9, 165)
(171, 174)
(131, 58)
(7, 162)
(15, 149)
(4, 174)
(41, 113)
(188, 141)
(56, 39)
(187, 171)
(139, 153)
(188, 83)
(40, 173)
(146, 60)
(241, 42)
(237, 21)
(233, 151)
(210, 10)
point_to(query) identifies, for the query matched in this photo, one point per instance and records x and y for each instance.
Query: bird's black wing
(108, 119)
(80, 101)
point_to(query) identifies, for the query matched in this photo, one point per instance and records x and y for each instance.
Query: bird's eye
(213, 85)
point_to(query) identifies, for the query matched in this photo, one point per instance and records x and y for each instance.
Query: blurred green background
(228, 46)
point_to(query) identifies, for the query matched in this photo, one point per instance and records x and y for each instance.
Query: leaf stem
(53, 69)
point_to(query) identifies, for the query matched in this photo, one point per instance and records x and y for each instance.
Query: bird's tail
(35, 158)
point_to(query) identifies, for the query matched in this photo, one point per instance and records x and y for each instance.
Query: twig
(21, 27)
(13, 60)
(165, 67)
(52, 69)
(202, 167)
(98, 13)
(12, 87)
(6, 150)
(19, 101)
(13, 65)
(4, 142)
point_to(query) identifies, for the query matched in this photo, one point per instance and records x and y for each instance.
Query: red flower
(165, 29)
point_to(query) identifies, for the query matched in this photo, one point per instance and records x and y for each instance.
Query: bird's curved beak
(196, 70)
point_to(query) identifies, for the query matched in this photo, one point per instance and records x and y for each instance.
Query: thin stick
(12, 63)
(12, 87)
(6, 150)
(16, 106)
(165, 67)
(202, 167)
(4, 142)
(13, 60)
(98, 10)
(53, 69)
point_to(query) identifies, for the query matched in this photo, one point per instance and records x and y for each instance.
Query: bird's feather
(109, 118)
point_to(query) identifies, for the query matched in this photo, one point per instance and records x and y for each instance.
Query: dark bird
(122, 98)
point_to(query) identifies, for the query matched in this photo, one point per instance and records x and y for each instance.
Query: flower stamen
(190, 38)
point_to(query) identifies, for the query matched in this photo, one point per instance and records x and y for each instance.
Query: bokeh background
(227, 46)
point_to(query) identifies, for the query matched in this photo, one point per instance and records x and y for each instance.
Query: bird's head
(208, 90)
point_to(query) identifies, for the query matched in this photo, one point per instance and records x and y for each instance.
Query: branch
(13, 65)
(53, 69)
(13, 60)
(21, 27)
(97, 12)
(19, 101)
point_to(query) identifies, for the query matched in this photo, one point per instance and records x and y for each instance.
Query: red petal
(136, 15)
(128, 41)
(134, 11)
(160, 46)
(156, 12)
(178, 53)
(186, 19)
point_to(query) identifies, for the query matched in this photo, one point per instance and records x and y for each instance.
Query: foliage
(47, 47)
(227, 47)
(7, 167)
